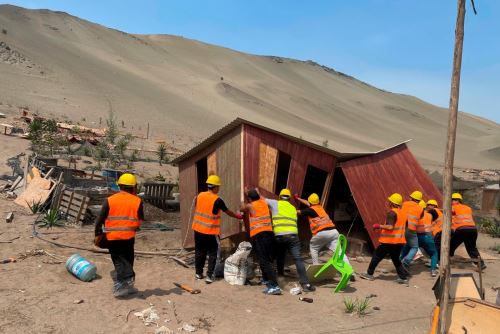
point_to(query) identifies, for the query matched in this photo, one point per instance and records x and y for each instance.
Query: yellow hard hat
(456, 196)
(213, 180)
(396, 199)
(432, 202)
(313, 198)
(417, 195)
(285, 192)
(127, 179)
(422, 204)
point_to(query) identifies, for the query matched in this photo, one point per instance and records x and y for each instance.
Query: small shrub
(493, 229)
(50, 219)
(35, 207)
(4, 31)
(350, 305)
(362, 307)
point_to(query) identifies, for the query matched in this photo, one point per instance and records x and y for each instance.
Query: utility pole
(444, 266)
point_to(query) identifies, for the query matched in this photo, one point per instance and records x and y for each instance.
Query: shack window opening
(314, 181)
(202, 174)
(344, 211)
(282, 171)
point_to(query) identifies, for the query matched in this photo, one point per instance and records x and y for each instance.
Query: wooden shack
(353, 186)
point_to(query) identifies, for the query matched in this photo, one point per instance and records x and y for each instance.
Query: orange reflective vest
(204, 221)
(414, 212)
(397, 234)
(425, 223)
(123, 217)
(260, 221)
(461, 216)
(437, 225)
(320, 222)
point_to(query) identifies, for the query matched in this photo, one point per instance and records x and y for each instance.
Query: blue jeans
(426, 242)
(290, 243)
(410, 248)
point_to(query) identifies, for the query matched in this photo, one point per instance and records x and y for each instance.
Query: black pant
(264, 244)
(291, 243)
(122, 255)
(437, 242)
(468, 236)
(394, 250)
(205, 244)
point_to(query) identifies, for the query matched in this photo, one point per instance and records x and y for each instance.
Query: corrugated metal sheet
(228, 152)
(373, 178)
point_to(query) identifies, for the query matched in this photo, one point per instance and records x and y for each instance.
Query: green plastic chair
(337, 261)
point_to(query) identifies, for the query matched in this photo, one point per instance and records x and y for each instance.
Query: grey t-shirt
(273, 204)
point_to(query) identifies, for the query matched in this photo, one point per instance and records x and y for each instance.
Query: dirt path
(38, 297)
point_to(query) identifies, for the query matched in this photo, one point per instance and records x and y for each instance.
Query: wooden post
(147, 132)
(444, 266)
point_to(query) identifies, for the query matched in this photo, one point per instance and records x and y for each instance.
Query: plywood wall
(223, 157)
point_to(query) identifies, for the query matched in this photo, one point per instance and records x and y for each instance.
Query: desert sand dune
(64, 66)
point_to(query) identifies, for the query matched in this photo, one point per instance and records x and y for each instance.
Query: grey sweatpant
(322, 239)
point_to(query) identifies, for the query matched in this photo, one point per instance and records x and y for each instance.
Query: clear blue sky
(401, 46)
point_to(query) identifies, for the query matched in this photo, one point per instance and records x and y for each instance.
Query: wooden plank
(212, 163)
(326, 190)
(268, 157)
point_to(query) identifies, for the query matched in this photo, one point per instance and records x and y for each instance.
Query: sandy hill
(62, 65)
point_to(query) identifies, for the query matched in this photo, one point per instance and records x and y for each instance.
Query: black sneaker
(209, 280)
(198, 276)
(308, 288)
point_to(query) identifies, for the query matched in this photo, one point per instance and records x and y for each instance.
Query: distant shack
(353, 186)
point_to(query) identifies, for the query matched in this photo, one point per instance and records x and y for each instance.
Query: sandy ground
(38, 297)
(62, 66)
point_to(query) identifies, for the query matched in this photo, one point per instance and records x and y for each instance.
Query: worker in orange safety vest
(121, 216)
(324, 233)
(464, 228)
(392, 239)
(414, 212)
(206, 227)
(262, 236)
(437, 224)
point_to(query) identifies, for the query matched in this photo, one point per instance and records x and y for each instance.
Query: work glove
(376, 226)
(296, 196)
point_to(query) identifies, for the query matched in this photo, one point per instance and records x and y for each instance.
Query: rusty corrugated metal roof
(342, 156)
(373, 178)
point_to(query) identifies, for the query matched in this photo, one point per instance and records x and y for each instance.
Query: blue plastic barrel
(81, 268)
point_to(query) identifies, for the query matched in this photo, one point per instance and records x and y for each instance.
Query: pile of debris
(76, 194)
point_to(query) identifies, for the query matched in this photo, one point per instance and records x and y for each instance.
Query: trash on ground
(148, 316)
(78, 301)
(305, 299)
(163, 330)
(188, 327)
(81, 268)
(296, 290)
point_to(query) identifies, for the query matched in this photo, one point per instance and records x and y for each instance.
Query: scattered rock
(163, 330)
(384, 271)
(10, 217)
(371, 295)
(188, 328)
(376, 308)
(77, 301)
(360, 259)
